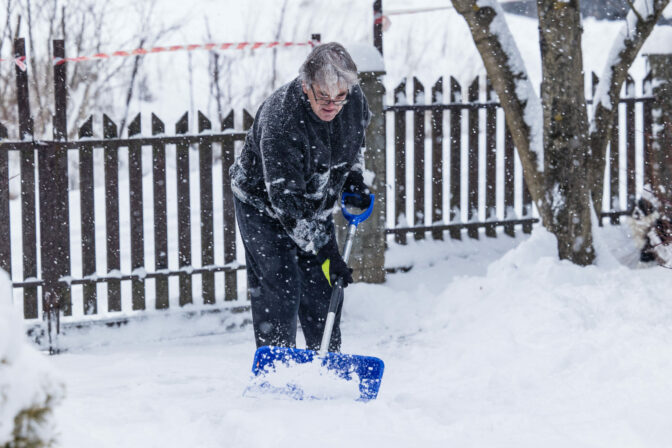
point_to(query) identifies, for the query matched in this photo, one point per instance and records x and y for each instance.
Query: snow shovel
(367, 369)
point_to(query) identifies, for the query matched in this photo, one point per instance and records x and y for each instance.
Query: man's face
(325, 106)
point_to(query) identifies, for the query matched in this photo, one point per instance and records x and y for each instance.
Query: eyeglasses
(326, 102)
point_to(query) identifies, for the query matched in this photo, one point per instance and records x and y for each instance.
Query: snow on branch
(533, 114)
(638, 25)
(508, 74)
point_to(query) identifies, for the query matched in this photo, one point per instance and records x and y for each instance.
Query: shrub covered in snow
(28, 388)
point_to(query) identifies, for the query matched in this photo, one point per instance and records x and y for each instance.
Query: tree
(561, 148)
(88, 27)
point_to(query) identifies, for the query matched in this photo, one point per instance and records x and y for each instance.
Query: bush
(29, 390)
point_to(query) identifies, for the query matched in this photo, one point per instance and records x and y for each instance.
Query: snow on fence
(453, 164)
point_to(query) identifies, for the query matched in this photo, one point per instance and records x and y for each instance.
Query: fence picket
(437, 159)
(28, 213)
(207, 227)
(527, 207)
(418, 160)
(472, 160)
(112, 213)
(87, 219)
(630, 142)
(455, 158)
(248, 120)
(490, 161)
(5, 243)
(228, 148)
(509, 182)
(137, 214)
(613, 163)
(647, 124)
(160, 219)
(400, 162)
(183, 212)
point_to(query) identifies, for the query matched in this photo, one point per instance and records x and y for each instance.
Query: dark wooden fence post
(54, 206)
(160, 218)
(473, 181)
(378, 25)
(137, 215)
(183, 213)
(400, 218)
(54, 213)
(206, 201)
(54, 234)
(60, 93)
(28, 218)
(437, 159)
(418, 159)
(228, 148)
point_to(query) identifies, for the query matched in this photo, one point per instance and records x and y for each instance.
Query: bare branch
(509, 78)
(634, 10)
(630, 40)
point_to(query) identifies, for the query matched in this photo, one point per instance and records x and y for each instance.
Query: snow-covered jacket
(293, 165)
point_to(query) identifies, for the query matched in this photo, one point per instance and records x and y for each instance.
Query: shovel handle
(337, 291)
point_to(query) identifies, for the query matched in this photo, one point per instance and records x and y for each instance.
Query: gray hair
(330, 66)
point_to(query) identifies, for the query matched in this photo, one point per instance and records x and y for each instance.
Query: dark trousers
(283, 283)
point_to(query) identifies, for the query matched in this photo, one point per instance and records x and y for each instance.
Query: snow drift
(28, 388)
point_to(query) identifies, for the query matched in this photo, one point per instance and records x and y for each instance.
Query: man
(303, 150)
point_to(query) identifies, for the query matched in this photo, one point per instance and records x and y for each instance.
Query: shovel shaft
(336, 295)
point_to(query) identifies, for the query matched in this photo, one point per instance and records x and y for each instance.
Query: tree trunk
(566, 159)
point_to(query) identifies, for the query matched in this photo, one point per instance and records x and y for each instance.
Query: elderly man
(302, 152)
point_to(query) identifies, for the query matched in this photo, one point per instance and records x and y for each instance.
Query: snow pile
(485, 343)
(308, 380)
(28, 389)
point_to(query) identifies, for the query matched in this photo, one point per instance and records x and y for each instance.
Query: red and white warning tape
(143, 51)
(224, 46)
(20, 62)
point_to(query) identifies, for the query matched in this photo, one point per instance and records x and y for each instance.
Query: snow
(486, 343)
(26, 379)
(366, 57)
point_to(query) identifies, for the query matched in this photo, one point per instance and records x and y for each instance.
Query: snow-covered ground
(492, 343)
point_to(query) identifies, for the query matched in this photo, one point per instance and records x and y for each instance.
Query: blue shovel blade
(368, 369)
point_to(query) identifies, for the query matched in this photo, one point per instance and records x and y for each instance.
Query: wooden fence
(50, 216)
(441, 126)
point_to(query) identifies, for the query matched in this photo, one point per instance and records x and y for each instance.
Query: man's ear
(304, 87)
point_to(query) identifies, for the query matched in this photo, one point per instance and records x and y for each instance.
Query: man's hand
(332, 264)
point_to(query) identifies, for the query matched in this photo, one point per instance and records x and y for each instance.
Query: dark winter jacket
(294, 166)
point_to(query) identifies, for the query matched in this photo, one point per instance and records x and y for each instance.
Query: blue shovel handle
(351, 217)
